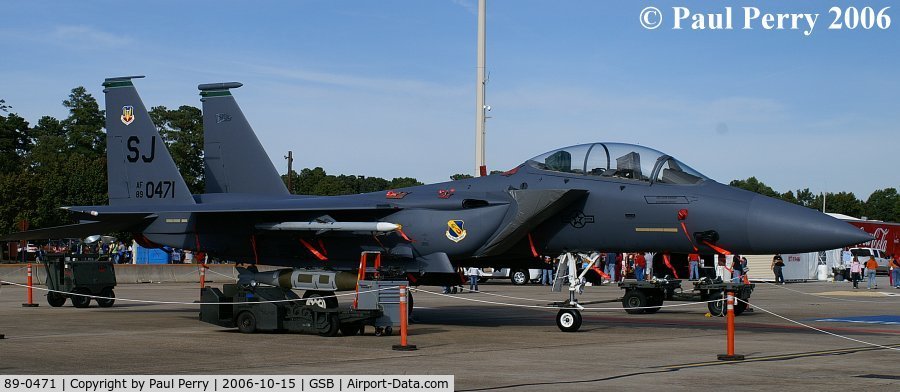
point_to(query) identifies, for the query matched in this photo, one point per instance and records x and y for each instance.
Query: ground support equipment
(264, 308)
(78, 276)
(648, 296)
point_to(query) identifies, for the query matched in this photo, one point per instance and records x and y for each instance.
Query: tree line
(62, 162)
(883, 204)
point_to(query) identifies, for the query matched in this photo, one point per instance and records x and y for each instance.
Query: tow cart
(648, 296)
(78, 276)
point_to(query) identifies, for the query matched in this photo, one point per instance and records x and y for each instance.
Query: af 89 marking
(159, 190)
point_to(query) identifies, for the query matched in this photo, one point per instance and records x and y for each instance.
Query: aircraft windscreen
(618, 160)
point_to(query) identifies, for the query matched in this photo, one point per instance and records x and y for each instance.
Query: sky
(387, 88)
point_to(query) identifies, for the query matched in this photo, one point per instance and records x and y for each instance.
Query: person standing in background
(610, 267)
(855, 272)
(777, 268)
(895, 271)
(474, 273)
(693, 266)
(640, 265)
(547, 272)
(871, 267)
(737, 268)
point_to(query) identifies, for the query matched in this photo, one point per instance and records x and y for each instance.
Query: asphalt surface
(487, 346)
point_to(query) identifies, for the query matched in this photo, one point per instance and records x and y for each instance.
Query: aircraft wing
(532, 208)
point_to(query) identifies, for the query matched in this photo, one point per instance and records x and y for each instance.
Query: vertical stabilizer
(140, 169)
(235, 161)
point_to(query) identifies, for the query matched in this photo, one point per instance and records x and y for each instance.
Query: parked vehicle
(863, 255)
(518, 276)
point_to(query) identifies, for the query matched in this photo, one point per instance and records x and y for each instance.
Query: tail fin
(140, 169)
(235, 161)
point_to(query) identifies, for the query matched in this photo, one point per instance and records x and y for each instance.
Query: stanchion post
(202, 275)
(30, 303)
(730, 355)
(404, 323)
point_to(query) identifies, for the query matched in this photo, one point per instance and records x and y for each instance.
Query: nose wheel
(568, 320)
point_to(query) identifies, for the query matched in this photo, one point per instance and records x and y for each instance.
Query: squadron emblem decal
(455, 231)
(127, 115)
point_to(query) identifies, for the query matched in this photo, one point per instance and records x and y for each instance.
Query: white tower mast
(480, 108)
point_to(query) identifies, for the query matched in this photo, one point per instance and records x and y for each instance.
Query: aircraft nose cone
(775, 226)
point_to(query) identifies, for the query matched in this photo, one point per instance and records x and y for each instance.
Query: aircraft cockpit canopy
(618, 160)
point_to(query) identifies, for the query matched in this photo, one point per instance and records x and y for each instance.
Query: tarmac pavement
(487, 346)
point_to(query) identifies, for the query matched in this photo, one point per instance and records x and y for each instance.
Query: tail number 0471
(159, 190)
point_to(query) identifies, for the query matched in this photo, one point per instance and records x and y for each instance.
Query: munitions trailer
(648, 296)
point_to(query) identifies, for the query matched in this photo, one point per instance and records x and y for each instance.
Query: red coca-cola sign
(887, 235)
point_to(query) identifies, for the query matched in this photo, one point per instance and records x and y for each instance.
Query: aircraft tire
(81, 301)
(56, 299)
(109, 300)
(246, 322)
(635, 299)
(568, 320)
(519, 277)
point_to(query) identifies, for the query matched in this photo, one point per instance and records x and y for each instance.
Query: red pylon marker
(30, 303)
(730, 355)
(404, 323)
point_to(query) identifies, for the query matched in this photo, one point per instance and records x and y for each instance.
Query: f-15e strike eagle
(596, 196)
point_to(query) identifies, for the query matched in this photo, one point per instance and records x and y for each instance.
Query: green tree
(84, 126)
(843, 203)
(317, 182)
(14, 142)
(789, 197)
(882, 205)
(182, 131)
(753, 185)
(460, 176)
(403, 182)
(806, 198)
(4, 107)
(50, 144)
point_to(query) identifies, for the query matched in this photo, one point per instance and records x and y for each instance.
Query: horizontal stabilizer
(80, 230)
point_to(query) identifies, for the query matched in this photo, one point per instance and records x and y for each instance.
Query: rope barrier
(210, 270)
(756, 306)
(192, 303)
(560, 307)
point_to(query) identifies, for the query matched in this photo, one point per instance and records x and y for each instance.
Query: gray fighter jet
(597, 196)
